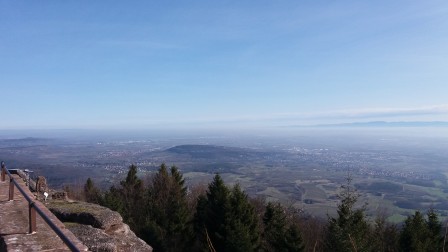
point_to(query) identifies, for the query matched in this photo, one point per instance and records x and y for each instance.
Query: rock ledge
(99, 228)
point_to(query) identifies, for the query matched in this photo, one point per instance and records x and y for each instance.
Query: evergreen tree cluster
(350, 230)
(223, 218)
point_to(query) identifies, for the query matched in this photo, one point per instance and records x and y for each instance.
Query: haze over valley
(395, 170)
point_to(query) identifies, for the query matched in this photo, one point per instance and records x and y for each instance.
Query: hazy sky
(144, 64)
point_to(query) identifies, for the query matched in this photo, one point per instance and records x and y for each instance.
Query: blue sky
(222, 64)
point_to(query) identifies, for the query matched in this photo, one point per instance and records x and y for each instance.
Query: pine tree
(415, 233)
(225, 220)
(127, 200)
(293, 239)
(212, 213)
(179, 228)
(167, 227)
(241, 223)
(278, 234)
(274, 220)
(349, 231)
(92, 193)
(419, 234)
(435, 230)
(385, 236)
(132, 192)
(199, 222)
(113, 199)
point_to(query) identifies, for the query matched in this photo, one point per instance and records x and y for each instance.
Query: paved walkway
(14, 224)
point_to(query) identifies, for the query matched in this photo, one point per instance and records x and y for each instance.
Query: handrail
(33, 208)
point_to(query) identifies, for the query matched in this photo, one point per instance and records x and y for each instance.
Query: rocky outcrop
(41, 184)
(99, 228)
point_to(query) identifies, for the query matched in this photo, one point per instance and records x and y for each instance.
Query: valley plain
(394, 171)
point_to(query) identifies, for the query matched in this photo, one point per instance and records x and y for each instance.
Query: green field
(318, 196)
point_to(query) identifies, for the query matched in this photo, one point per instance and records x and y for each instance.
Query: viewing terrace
(26, 224)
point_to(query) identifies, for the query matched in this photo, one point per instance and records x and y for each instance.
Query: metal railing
(33, 208)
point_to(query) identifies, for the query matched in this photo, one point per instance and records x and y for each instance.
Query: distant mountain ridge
(384, 124)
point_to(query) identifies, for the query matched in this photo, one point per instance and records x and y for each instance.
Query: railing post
(11, 189)
(32, 218)
(3, 171)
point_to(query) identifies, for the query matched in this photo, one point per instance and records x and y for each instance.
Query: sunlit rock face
(99, 228)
